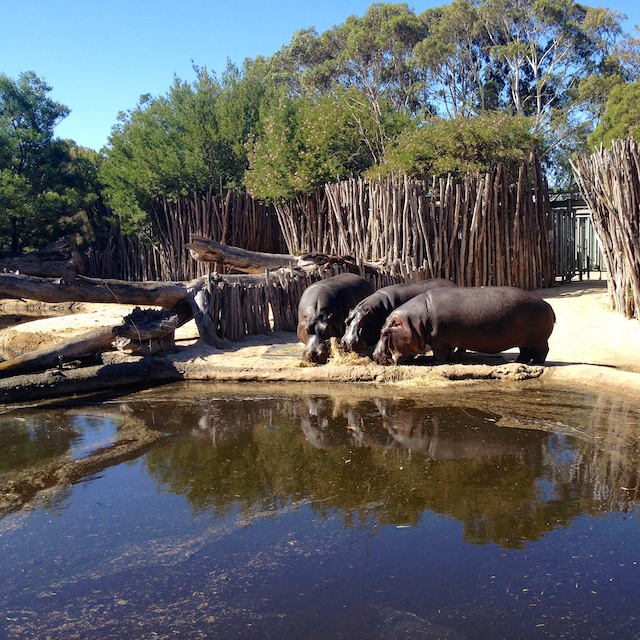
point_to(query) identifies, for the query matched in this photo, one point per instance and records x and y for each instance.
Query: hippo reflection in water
(440, 433)
(456, 433)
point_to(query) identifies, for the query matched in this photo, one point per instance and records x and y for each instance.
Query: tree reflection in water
(386, 461)
(323, 492)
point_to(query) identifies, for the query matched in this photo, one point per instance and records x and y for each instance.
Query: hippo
(323, 307)
(486, 319)
(364, 322)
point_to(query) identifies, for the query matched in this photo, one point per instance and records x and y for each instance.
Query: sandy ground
(590, 346)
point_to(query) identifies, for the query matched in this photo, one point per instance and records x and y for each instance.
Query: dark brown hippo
(364, 322)
(486, 319)
(323, 307)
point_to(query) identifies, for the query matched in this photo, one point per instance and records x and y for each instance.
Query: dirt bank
(590, 346)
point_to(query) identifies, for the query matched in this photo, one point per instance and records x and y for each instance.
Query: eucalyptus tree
(372, 54)
(455, 61)
(549, 47)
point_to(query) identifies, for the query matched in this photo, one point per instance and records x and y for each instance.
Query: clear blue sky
(100, 56)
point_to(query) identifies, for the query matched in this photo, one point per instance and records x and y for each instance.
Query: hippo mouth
(316, 352)
(382, 354)
(357, 346)
(319, 358)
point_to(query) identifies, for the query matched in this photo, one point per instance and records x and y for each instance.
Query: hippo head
(354, 338)
(398, 340)
(316, 350)
(315, 333)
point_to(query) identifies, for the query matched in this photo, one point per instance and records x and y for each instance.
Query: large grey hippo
(486, 319)
(364, 322)
(323, 307)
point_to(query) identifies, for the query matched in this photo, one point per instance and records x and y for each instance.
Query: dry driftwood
(77, 347)
(131, 375)
(257, 262)
(204, 250)
(142, 333)
(158, 294)
(146, 332)
(60, 259)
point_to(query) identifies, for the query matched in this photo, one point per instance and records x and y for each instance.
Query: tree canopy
(183, 142)
(621, 117)
(47, 185)
(460, 146)
(454, 89)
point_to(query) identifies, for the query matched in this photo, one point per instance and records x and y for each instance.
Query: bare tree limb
(205, 250)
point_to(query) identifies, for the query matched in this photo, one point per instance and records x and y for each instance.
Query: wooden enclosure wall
(609, 181)
(494, 230)
(488, 231)
(232, 218)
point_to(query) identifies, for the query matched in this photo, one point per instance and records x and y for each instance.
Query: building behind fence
(576, 246)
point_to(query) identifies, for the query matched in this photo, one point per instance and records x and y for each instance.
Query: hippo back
(364, 322)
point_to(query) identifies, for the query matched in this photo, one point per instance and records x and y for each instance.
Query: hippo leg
(540, 354)
(457, 354)
(533, 355)
(441, 351)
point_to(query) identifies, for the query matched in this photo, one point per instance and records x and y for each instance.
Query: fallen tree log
(257, 262)
(205, 250)
(78, 347)
(142, 333)
(146, 332)
(131, 376)
(157, 294)
(60, 259)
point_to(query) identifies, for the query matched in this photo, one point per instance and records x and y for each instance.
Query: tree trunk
(53, 356)
(156, 294)
(243, 260)
(141, 373)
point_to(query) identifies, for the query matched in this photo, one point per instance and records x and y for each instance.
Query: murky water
(339, 512)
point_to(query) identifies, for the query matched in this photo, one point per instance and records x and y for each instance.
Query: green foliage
(621, 118)
(47, 185)
(459, 146)
(180, 143)
(371, 53)
(308, 142)
(391, 91)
